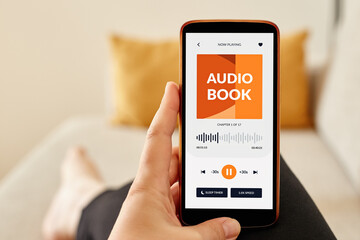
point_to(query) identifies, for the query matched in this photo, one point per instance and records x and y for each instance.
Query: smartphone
(229, 121)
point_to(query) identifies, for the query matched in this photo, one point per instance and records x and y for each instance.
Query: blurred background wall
(54, 54)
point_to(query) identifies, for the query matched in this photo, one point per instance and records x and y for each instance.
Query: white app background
(253, 160)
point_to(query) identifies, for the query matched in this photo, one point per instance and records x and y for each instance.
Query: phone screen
(229, 115)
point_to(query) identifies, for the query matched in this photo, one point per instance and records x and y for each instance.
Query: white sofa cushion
(324, 179)
(26, 193)
(338, 117)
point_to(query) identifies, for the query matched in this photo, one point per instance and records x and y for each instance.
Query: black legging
(299, 217)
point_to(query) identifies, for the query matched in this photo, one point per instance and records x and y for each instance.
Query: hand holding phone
(151, 206)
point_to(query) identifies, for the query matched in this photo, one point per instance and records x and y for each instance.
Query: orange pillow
(294, 84)
(142, 69)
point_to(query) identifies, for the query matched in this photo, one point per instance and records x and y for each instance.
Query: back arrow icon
(198, 44)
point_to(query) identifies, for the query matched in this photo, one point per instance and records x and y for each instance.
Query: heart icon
(260, 44)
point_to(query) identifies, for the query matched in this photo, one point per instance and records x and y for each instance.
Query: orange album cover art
(229, 86)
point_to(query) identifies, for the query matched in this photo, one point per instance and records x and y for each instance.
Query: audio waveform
(239, 137)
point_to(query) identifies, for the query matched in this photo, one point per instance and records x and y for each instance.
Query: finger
(175, 193)
(174, 166)
(156, 155)
(218, 229)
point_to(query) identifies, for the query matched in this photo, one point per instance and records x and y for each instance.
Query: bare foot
(80, 183)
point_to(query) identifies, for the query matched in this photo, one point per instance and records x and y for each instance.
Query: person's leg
(299, 216)
(80, 184)
(98, 218)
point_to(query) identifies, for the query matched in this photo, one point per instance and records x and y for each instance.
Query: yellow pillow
(142, 69)
(294, 85)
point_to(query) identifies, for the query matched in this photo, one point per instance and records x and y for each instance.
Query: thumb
(218, 229)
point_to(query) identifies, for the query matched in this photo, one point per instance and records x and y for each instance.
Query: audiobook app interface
(229, 120)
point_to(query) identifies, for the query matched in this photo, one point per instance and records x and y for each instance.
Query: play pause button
(228, 171)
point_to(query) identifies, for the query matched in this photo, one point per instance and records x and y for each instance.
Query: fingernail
(166, 88)
(167, 85)
(231, 228)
